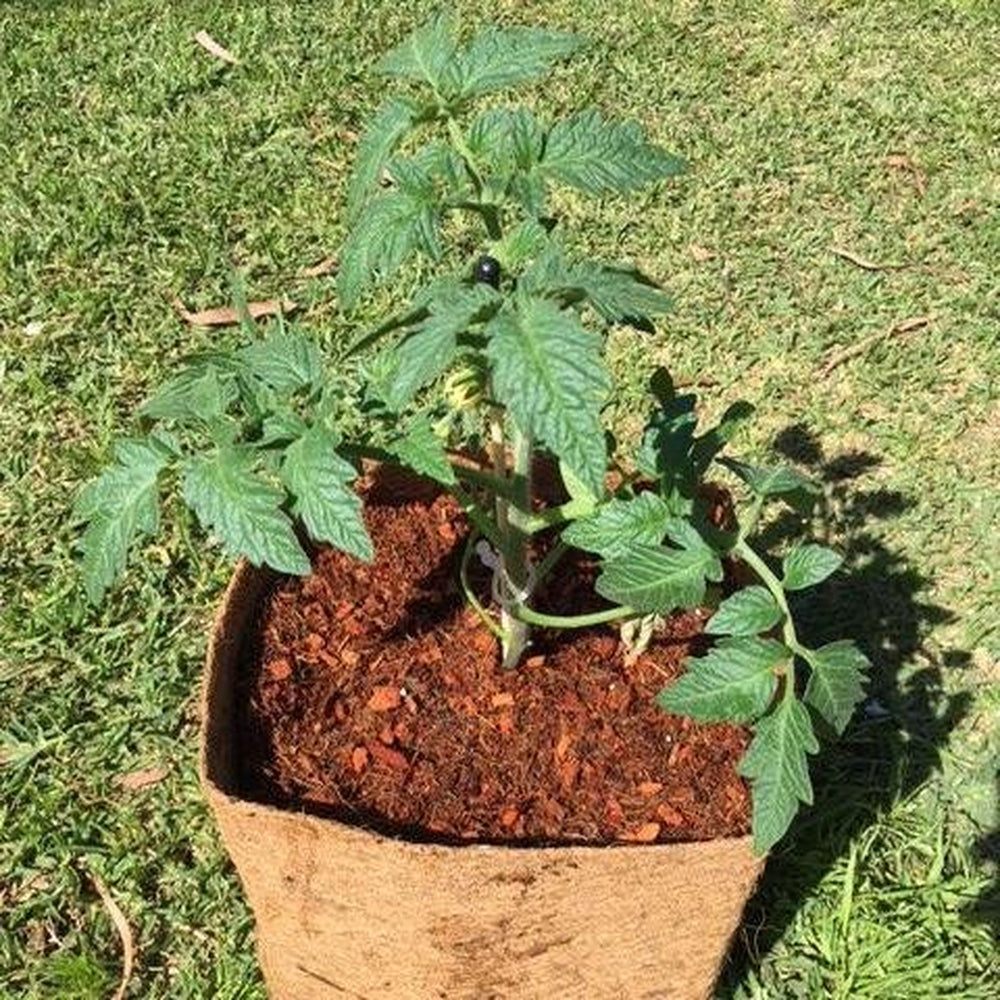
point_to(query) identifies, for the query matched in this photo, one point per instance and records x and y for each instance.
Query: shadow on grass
(894, 742)
(986, 909)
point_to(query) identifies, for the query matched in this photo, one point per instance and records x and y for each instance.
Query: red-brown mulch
(378, 698)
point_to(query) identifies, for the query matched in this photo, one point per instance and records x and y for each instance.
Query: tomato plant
(511, 326)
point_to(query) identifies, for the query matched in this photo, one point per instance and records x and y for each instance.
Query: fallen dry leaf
(700, 254)
(212, 47)
(135, 780)
(228, 316)
(326, 266)
(503, 699)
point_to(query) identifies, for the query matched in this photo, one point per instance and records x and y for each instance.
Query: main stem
(515, 562)
(744, 551)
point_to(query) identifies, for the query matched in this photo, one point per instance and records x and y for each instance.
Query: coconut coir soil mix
(377, 698)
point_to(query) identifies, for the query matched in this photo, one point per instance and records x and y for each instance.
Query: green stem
(515, 560)
(554, 516)
(548, 563)
(489, 211)
(572, 621)
(743, 551)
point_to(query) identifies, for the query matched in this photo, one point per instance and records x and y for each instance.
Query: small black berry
(487, 271)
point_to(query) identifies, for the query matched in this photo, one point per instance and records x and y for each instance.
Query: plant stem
(572, 621)
(743, 550)
(489, 211)
(515, 561)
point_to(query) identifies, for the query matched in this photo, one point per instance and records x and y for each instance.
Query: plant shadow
(894, 742)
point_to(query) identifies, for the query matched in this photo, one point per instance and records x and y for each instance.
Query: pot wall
(344, 913)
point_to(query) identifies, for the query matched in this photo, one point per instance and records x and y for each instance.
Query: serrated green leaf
(498, 58)
(242, 510)
(598, 157)
(771, 480)
(318, 480)
(620, 525)
(807, 565)
(547, 370)
(778, 768)
(504, 138)
(621, 293)
(199, 392)
(657, 579)
(392, 226)
(733, 682)
(285, 361)
(430, 348)
(837, 681)
(391, 123)
(423, 451)
(519, 245)
(428, 55)
(280, 427)
(747, 612)
(119, 507)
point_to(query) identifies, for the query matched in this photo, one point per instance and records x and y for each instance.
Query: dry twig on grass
(864, 262)
(855, 350)
(124, 933)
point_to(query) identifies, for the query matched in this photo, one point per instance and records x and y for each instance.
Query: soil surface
(377, 697)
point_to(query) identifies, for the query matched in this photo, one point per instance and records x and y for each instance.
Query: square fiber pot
(342, 912)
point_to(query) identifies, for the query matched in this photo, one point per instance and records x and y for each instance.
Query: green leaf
(498, 58)
(771, 480)
(620, 525)
(505, 137)
(621, 293)
(243, 510)
(428, 55)
(430, 348)
(519, 245)
(318, 480)
(391, 123)
(119, 507)
(807, 565)
(599, 157)
(836, 683)
(547, 370)
(733, 682)
(657, 579)
(422, 450)
(747, 612)
(199, 392)
(285, 361)
(392, 226)
(777, 765)
(279, 427)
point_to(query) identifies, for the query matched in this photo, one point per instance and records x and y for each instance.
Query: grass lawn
(137, 168)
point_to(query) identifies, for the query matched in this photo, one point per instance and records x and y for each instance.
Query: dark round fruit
(487, 271)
